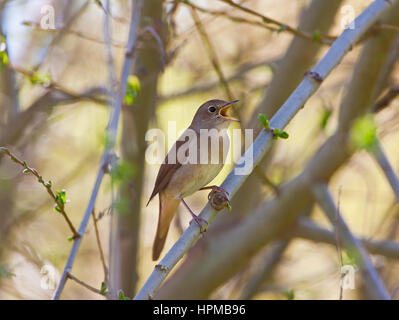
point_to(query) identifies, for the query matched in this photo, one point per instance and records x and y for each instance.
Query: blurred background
(54, 111)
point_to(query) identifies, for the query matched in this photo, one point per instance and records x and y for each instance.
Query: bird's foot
(218, 198)
(202, 223)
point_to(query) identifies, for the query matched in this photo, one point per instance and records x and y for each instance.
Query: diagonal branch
(111, 132)
(373, 283)
(382, 159)
(288, 110)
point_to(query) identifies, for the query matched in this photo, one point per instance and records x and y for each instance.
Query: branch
(60, 204)
(214, 59)
(309, 230)
(382, 159)
(84, 284)
(100, 248)
(373, 283)
(295, 102)
(111, 133)
(266, 22)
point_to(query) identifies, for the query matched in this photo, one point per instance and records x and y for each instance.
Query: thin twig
(386, 99)
(112, 129)
(266, 22)
(100, 248)
(84, 284)
(307, 229)
(373, 283)
(213, 58)
(47, 185)
(54, 84)
(282, 26)
(79, 34)
(263, 141)
(338, 242)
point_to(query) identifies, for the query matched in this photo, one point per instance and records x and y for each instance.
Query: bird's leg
(214, 190)
(199, 221)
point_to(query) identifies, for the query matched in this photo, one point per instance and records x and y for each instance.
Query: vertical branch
(111, 132)
(136, 117)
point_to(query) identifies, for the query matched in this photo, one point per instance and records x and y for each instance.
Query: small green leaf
(276, 133)
(283, 135)
(228, 206)
(363, 133)
(61, 196)
(316, 36)
(3, 53)
(289, 294)
(41, 78)
(265, 20)
(48, 184)
(26, 171)
(121, 296)
(104, 288)
(70, 239)
(132, 89)
(263, 120)
(324, 118)
(57, 208)
(281, 29)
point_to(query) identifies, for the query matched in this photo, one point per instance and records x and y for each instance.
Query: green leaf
(70, 239)
(121, 296)
(263, 120)
(41, 78)
(132, 89)
(324, 118)
(48, 184)
(289, 294)
(276, 133)
(104, 289)
(284, 135)
(3, 53)
(363, 133)
(228, 206)
(316, 36)
(26, 171)
(281, 29)
(61, 196)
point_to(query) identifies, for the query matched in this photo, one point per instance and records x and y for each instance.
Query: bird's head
(213, 114)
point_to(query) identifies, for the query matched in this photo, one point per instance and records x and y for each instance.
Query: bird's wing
(166, 171)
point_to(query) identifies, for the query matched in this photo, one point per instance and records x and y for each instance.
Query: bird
(178, 179)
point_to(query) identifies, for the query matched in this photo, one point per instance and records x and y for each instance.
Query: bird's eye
(211, 109)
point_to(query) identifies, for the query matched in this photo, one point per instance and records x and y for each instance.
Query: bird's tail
(167, 209)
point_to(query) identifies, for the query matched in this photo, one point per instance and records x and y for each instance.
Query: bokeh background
(63, 138)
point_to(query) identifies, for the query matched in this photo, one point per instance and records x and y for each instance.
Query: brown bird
(177, 180)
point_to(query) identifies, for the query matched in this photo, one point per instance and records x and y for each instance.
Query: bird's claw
(202, 223)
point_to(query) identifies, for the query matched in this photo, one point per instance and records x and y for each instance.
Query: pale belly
(189, 178)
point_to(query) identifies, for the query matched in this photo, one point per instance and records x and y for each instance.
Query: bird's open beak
(224, 111)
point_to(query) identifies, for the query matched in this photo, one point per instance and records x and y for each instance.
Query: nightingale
(179, 179)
